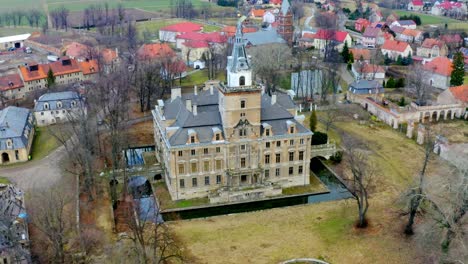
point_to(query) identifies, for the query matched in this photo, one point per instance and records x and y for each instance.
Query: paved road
(37, 173)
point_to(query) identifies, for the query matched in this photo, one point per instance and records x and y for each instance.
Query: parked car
(11, 49)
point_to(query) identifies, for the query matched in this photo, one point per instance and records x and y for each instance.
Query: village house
(65, 70)
(110, 60)
(454, 95)
(216, 38)
(375, 16)
(16, 134)
(453, 41)
(11, 88)
(78, 51)
(394, 48)
(231, 142)
(169, 33)
(361, 24)
(410, 35)
(60, 107)
(364, 87)
(448, 8)
(366, 71)
(431, 48)
(409, 24)
(415, 5)
(361, 54)
(373, 37)
(155, 51)
(439, 71)
(324, 36)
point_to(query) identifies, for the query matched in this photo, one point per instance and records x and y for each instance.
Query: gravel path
(37, 173)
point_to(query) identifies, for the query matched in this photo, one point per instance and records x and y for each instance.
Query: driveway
(37, 173)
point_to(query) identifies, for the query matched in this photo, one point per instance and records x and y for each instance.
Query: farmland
(428, 19)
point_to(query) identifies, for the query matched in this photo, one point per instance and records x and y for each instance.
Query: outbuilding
(16, 41)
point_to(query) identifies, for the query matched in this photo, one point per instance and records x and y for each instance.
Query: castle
(232, 141)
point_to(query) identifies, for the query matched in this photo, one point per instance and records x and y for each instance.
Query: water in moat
(336, 191)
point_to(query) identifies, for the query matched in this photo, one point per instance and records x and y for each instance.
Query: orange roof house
(77, 50)
(358, 53)
(440, 65)
(10, 82)
(89, 67)
(154, 50)
(460, 93)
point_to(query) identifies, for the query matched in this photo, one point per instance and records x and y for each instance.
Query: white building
(16, 41)
(52, 108)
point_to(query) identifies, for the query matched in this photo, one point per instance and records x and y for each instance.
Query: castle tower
(240, 99)
(285, 22)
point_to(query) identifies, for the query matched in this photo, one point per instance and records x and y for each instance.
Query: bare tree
(331, 116)
(47, 207)
(417, 84)
(416, 193)
(267, 61)
(148, 83)
(361, 178)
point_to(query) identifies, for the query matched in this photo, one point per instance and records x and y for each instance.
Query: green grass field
(4, 180)
(44, 142)
(77, 5)
(428, 19)
(200, 77)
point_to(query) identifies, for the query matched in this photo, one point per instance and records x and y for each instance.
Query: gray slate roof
(13, 122)
(263, 37)
(208, 115)
(52, 99)
(406, 22)
(363, 87)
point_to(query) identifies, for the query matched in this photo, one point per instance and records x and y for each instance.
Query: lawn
(315, 186)
(166, 202)
(428, 19)
(4, 180)
(200, 77)
(44, 142)
(465, 79)
(324, 230)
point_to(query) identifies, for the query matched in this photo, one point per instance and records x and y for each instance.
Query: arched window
(242, 80)
(46, 106)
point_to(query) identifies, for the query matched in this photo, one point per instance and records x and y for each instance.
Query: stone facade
(231, 137)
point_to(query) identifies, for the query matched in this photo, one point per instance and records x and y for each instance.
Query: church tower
(240, 99)
(285, 22)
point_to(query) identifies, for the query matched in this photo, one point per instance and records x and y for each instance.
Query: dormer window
(59, 104)
(242, 81)
(267, 132)
(46, 106)
(291, 127)
(192, 139)
(217, 137)
(291, 130)
(9, 143)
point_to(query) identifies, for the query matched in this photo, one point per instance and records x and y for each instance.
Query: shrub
(319, 138)
(338, 157)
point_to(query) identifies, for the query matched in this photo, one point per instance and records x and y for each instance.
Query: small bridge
(324, 150)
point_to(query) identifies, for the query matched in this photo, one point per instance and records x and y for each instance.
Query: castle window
(267, 173)
(291, 156)
(206, 166)
(267, 144)
(218, 164)
(300, 170)
(301, 155)
(194, 167)
(192, 139)
(192, 152)
(194, 182)
(242, 80)
(59, 104)
(217, 137)
(9, 143)
(242, 162)
(278, 143)
(291, 142)
(278, 158)
(218, 179)
(301, 141)
(207, 180)
(218, 149)
(291, 170)
(182, 183)
(267, 132)
(181, 169)
(267, 159)
(291, 130)
(242, 132)
(243, 147)
(205, 151)
(180, 153)
(242, 104)
(46, 106)
(277, 172)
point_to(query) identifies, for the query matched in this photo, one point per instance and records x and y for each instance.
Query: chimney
(211, 89)
(195, 90)
(273, 99)
(175, 92)
(195, 112)
(188, 104)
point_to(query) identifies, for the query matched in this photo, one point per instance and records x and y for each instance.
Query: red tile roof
(75, 50)
(429, 43)
(460, 92)
(11, 81)
(257, 12)
(357, 53)
(371, 32)
(155, 50)
(411, 32)
(371, 68)
(417, 3)
(183, 27)
(440, 65)
(213, 37)
(57, 68)
(89, 67)
(327, 34)
(454, 38)
(196, 44)
(230, 31)
(399, 46)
